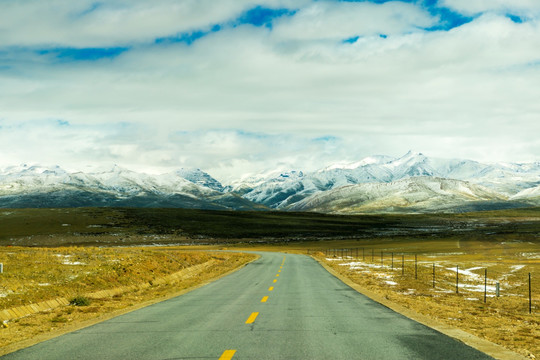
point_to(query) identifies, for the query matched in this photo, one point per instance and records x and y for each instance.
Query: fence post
(1, 268)
(356, 253)
(372, 255)
(530, 297)
(392, 261)
(402, 265)
(363, 255)
(382, 261)
(497, 289)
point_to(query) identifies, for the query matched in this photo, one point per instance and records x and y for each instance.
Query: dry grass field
(69, 252)
(33, 275)
(461, 266)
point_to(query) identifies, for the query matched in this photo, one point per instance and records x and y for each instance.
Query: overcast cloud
(238, 86)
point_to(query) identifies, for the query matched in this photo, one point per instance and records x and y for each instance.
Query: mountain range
(410, 183)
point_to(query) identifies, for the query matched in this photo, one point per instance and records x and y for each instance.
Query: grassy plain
(139, 226)
(33, 275)
(506, 242)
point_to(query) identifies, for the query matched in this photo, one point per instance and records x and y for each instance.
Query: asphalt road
(278, 307)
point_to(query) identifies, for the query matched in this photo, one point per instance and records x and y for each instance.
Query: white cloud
(85, 23)
(341, 20)
(516, 7)
(249, 98)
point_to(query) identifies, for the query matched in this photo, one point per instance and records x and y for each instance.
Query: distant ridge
(410, 183)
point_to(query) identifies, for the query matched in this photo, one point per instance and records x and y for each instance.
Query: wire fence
(429, 272)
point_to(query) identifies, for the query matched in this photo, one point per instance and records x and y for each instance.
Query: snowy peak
(418, 194)
(201, 178)
(410, 165)
(413, 182)
(370, 160)
(504, 180)
(31, 179)
(38, 186)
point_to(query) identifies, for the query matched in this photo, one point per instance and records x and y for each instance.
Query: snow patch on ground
(516, 268)
(476, 288)
(66, 260)
(467, 272)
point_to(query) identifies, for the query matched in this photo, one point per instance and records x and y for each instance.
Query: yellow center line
(277, 275)
(279, 270)
(264, 299)
(252, 318)
(275, 280)
(227, 355)
(270, 288)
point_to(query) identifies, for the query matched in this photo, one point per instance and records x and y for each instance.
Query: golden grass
(33, 275)
(504, 320)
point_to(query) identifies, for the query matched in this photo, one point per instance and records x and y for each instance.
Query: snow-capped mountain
(36, 186)
(529, 195)
(413, 182)
(414, 194)
(504, 179)
(201, 178)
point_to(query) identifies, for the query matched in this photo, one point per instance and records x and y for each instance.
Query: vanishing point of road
(280, 306)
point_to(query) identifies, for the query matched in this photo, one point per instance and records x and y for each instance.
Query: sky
(240, 86)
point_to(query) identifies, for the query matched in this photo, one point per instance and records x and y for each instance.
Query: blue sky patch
(187, 38)
(327, 138)
(448, 19)
(260, 16)
(515, 18)
(91, 9)
(84, 54)
(351, 40)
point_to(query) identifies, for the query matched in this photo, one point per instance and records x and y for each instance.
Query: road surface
(278, 307)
